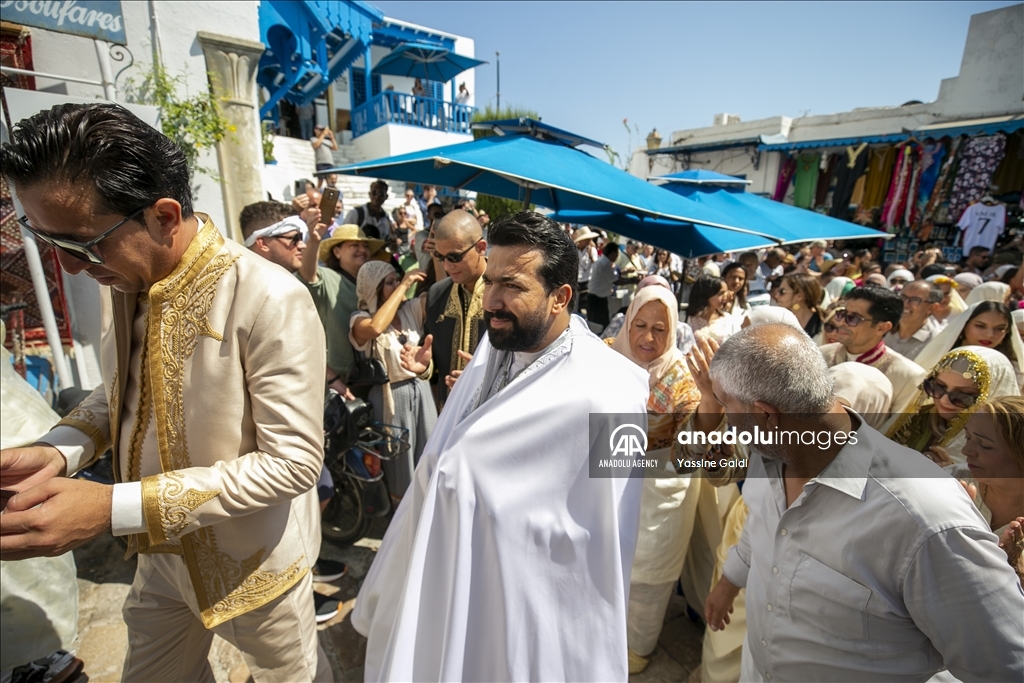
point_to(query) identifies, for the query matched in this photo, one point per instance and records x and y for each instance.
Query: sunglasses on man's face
(830, 328)
(292, 240)
(960, 399)
(80, 250)
(849, 319)
(453, 257)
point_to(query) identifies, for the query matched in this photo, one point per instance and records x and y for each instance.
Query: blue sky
(586, 66)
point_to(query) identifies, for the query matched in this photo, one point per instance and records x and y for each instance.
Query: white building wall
(182, 55)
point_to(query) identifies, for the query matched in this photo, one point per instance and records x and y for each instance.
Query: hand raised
(416, 359)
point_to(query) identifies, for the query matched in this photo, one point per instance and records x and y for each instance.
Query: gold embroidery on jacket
(174, 502)
(84, 420)
(467, 331)
(226, 587)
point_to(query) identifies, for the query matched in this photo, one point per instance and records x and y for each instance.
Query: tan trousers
(168, 642)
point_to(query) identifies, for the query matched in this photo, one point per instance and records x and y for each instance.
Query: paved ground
(104, 578)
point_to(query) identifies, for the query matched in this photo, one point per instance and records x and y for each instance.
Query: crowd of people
(506, 559)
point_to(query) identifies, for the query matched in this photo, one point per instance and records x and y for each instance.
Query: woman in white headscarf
(898, 279)
(963, 379)
(864, 389)
(989, 291)
(386, 325)
(967, 282)
(668, 507)
(986, 323)
(839, 287)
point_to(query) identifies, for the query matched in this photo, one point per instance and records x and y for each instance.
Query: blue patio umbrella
(548, 172)
(685, 239)
(787, 223)
(700, 176)
(429, 62)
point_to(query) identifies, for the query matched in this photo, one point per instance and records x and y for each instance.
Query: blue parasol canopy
(429, 62)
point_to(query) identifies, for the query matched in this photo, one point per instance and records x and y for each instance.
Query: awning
(836, 142)
(535, 129)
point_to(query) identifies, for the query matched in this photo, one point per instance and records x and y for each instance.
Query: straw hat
(347, 233)
(584, 233)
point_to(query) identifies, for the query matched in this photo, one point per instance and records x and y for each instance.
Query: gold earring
(796, 307)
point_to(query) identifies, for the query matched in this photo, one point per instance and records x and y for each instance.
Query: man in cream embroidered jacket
(213, 437)
(211, 402)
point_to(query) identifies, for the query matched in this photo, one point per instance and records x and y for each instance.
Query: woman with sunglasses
(964, 378)
(988, 324)
(994, 472)
(801, 294)
(708, 309)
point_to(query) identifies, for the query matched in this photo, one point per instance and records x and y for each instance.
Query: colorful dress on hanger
(980, 159)
(880, 169)
(849, 169)
(785, 177)
(899, 188)
(806, 179)
(933, 212)
(931, 164)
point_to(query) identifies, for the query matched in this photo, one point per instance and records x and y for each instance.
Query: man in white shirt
(412, 209)
(861, 560)
(916, 326)
(603, 278)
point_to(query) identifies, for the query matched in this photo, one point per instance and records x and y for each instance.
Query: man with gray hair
(917, 326)
(853, 542)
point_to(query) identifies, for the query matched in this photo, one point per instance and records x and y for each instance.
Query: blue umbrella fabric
(700, 176)
(787, 223)
(430, 62)
(548, 173)
(684, 239)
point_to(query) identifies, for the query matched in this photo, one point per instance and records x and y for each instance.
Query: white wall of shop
(394, 139)
(176, 25)
(990, 83)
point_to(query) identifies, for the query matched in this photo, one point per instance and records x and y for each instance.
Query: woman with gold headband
(962, 380)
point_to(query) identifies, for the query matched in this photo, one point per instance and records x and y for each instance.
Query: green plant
(194, 123)
(267, 131)
(498, 206)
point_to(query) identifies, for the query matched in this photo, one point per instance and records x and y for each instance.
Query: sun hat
(347, 233)
(583, 233)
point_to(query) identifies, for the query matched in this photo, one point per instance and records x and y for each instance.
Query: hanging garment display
(899, 188)
(910, 203)
(982, 223)
(980, 158)
(785, 176)
(852, 162)
(937, 200)
(1009, 177)
(879, 174)
(806, 179)
(828, 169)
(931, 164)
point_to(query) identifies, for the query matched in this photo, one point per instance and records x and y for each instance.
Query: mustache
(498, 315)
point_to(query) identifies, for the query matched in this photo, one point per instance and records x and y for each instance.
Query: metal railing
(411, 110)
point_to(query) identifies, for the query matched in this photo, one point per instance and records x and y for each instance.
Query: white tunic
(506, 560)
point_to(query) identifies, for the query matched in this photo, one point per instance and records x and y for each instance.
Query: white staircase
(295, 160)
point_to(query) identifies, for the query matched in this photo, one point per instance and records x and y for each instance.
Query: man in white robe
(506, 560)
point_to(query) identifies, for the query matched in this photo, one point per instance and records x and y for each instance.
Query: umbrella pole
(526, 200)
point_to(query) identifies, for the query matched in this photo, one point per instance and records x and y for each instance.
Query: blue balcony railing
(410, 110)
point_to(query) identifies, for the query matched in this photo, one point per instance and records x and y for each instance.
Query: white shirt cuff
(74, 444)
(735, 569)
(126, 509)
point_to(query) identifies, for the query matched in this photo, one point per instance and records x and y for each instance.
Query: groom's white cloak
(506, 561)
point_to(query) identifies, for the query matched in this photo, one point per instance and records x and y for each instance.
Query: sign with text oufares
(101, 19)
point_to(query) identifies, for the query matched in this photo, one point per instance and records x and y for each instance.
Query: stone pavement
(104, 578)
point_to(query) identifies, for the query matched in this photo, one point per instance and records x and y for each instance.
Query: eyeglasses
(453, 258)
(849, 319)
(912, 300)
(960, 399)
(80, 250)
(830, 328)
(292, 240)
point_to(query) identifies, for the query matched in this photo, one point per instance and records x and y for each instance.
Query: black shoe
(326, 571)
(326, 608)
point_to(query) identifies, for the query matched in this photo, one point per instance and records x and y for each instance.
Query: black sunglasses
(960, 399)
(80, 250)
(453, 258)
(292, 240)
(849, 319)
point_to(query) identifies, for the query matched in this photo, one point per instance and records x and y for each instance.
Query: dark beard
(522, 336)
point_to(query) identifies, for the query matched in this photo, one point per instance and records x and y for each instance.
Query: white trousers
(168, 642)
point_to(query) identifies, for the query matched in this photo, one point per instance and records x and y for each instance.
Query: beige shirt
(906, 375)
(213, 403)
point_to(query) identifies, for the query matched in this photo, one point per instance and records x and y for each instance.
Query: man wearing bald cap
(455, 310)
